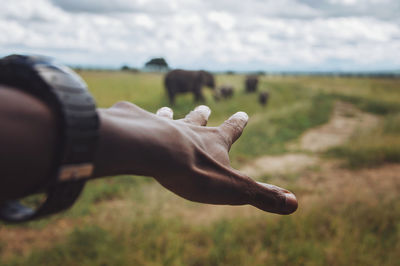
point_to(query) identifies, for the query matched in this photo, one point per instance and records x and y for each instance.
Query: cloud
(220, 34)
(379, 9)
(159, 7)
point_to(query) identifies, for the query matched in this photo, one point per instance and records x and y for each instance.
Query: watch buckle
(75, 171)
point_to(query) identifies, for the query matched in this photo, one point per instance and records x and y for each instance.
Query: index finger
(199, 116)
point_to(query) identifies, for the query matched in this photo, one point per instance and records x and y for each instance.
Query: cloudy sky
(216, 34)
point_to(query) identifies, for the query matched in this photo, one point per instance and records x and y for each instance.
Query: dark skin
(183, 155)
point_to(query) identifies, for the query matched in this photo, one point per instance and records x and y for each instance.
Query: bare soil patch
(283, 164)
(345, 121)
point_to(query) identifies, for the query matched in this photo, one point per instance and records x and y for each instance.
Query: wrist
(105, 161)
(135, 143)
(117, 151)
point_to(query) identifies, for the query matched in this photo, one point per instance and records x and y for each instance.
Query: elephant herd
(184, 81)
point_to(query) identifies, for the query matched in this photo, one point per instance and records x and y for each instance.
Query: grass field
(349, 202)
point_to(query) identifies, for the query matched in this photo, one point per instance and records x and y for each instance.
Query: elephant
(224, 92)
(180, 81)
(251, 83)
(263, 98)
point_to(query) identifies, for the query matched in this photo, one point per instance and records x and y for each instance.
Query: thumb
(273, 199)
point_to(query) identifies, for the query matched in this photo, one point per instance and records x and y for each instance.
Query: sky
(268, 35)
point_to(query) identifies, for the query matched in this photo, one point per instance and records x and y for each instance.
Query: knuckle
(195, 117)
(224, 136)
(233, 126)
(123, 105)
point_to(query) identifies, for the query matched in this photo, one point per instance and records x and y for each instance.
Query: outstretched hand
(184, 156)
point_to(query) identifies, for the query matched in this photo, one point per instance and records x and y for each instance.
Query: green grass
(347, 234)
(273, 130)
(369, 151)
(374, 95)
(130, 220)
(95, 192)
(383, 90)
(86, 246)
(370, 105)
(291, 110)
(373, 148)
(392, 124)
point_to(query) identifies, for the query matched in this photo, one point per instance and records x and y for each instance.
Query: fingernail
(165, 109)
(203, 108)
(242, 115)
(290, 203)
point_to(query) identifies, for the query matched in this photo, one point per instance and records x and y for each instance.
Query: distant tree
(261, 72)
(77, 69)
(230, 72)
(125, 68)
(156, 64)
(128, 68)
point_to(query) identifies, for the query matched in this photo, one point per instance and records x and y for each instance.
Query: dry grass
(343, 218)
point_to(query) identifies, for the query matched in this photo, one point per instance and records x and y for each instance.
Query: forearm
(27, 139)
(28, 144)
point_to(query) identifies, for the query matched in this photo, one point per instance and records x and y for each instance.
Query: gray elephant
(251, 83)
(181, 81)
(224, 92)
(263, 98)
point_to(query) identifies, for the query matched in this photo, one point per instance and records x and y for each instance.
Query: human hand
(184, 156)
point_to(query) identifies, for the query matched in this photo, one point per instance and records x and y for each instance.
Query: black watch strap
(67, 95)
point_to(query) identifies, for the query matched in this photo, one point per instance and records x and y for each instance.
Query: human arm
(28, 135)
(183, 155)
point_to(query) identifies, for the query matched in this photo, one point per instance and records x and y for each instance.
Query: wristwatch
(77, 124)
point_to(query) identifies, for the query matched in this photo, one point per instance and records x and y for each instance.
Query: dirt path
(283, 164)
(346, 120)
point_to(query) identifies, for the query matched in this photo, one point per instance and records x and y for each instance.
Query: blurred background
(324, 123)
